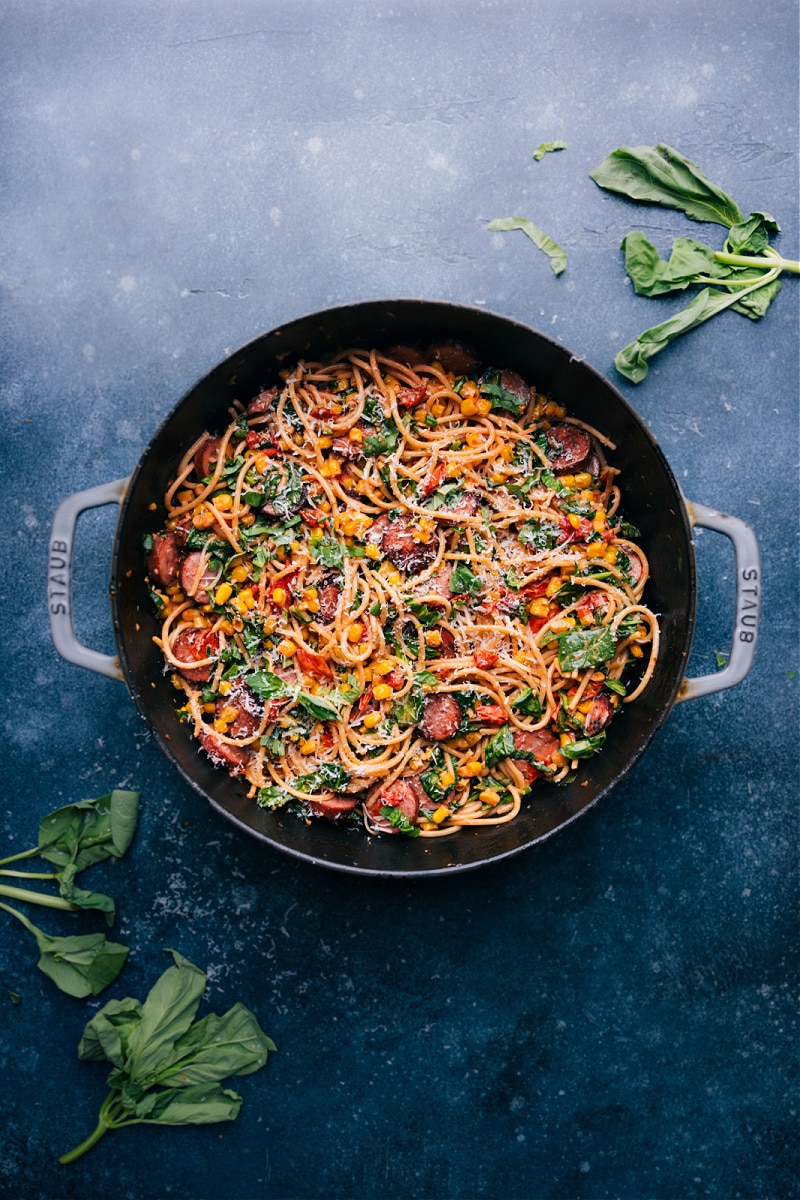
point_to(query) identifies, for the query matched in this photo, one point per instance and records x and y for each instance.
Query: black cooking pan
(651, 500)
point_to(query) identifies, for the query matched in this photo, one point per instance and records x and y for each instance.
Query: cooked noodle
(400, 593)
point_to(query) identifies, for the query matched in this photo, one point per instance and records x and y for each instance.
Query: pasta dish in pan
(397, 589)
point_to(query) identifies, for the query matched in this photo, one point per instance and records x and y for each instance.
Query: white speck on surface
(438, 162)
(136, 154)
(315, 145)
(686, 96)
(707, 70)
(275, 215)
(128, 284)
(88, 352)
(28, 517)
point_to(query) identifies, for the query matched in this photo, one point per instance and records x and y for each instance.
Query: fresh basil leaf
(431, 779)
(661, 175)
(427, 616)
(583, 747)
(502, 398)
(651, 275)
(272, 796)
(464, 581)
(557, 255)
(216, 1047)
(328, 776)
(81, 965)
(167, 1013)
(399, 821)
(499, 747)
(318, 708)
(408, 710)
(329, 552)
(541, 535)
(268, 686)
(547, 148)
(582, 648)
(69, 891)
(527, 703)
(105, 1038)
(90, 831)
(616, 685)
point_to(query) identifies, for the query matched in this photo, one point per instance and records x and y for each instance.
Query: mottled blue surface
(609, 1015)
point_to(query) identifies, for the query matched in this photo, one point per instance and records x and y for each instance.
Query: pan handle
(59, 577)
(748, 601)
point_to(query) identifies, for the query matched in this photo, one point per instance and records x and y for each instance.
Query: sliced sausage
(441, 717)
(448, 647)
(402, 794)
(467, 504)
(222, 754)
(410, 355)
(163, 559)
(205, 455)
(539, 742)
(332, 806)
(636, 569)
(182, 529)
(439, 584)
(512, 382)
(343, 447)
(192, 646)
(454, 356)
(329, 595)
(249, 710)
(570, 445)
(411, 397)
(262, 402)
(399, 541)
(197, 577)
(599, 714)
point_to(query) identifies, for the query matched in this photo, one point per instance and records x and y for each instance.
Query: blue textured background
(609, 1015)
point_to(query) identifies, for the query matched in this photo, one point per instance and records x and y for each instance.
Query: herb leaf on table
(743, 276)
(166, 1066)
(556, 253)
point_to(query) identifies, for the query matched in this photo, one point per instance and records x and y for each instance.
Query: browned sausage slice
(570, 445)
(467, 504)
(441, 717)
(332, 806)
(328, 598)
(539, 742)
(512, 382)
(599, 714)
(205, 455)
(343, 447)
(262, 402)
(454, 356)
(447, 649)
(249, 710)
(399, 541)
(233, 758)
(197, 577)
(163, 559)
(192, 646)
(410, 355)
(402, 794)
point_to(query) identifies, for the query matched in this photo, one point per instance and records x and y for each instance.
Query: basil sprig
(166, 1066)
(73, 838)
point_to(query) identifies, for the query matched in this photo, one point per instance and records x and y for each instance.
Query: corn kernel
(246, 599)
(468, 407)
(539, 608)
(562, 624)
(440, 815)
(372, 719)
(270, 625)
(261, 463)
(393, 577)
(568, 481)
(583, 479)
(554, 410)
(330, 469)
(367, 674)
(506, 453)
(239, 573)
(372, 551)
(355, 631)
(224, 502)
(586, 707)
(611, 556)
(383, 666)
(381, 691)
(574, 520)
(585, 618)
(307, 746)
(636, 651)
(565, 738)
(446, 779)
(475, 439)
(472, 739)
(356, 435)
(471, 769)
(483, 407)
(238, 624)
(185, 496)
(557, 759)
(247, 518)
(296, 547)
(433, 637)
(489, 797)
(223, 593)
(324, 505)
(336, 409)
(324, 443)
(203, 518)
(596, 550)
(453, 471)
(553, 586)
(279, 596)
(437, 410)
(598, 523)
(287, 648)
(225, 687)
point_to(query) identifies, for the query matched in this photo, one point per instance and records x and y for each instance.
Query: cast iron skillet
(651, 500)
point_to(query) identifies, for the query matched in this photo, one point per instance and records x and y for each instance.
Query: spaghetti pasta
(396, 588)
